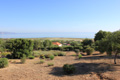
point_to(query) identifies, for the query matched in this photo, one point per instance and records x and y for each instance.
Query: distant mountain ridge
(7, 33)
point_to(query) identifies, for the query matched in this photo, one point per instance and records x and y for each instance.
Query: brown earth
(93, 67)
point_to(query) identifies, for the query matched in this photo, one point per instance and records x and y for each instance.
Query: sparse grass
(61, 54)
(47, 54)
(80, 56)
(41, 62)
(23, 59)
(74, 55)
(50, 64)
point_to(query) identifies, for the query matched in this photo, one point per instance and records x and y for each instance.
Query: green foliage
(86, 42)
(3, 62)
(77, 51)
(47, 43)
(52, 57)
(89, 51)
(20, 47)
(101, 34)
(61, 53)
(69, 69)
(80, 56)
(4, 54)
(2, 45)
(48, 55)
(31, 57)
(50, 64)
(55, 54)
(23, 59)
(37, 44)
(110, 44)
(42, 56)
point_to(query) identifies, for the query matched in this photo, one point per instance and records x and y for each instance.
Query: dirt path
(95, 67)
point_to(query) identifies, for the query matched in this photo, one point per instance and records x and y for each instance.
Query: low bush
(52, 57)
(42, 56)
(50, 64)
(23, 59)
(31, 57)
(80, 56)
(89, 50)
(61, 54)
(3, 62)
(4, 54)
(48, 55)
(68, 69)
(77, 51)
(55, 54)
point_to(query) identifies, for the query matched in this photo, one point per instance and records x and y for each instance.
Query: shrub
(55, 54)
(31, 57)
(42, 61)
(76, 51)
(69, 69)
(42, 56)
(61, 54)
(23, 59)
(47, 55)
(3, 62)
(89, 50)
(52, 57)
(79, 56)
(50, 64)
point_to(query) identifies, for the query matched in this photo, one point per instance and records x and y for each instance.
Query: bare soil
(93, 67)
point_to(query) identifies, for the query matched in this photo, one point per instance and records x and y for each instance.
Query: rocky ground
(93, 67)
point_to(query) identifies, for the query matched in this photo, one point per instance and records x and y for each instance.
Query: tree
(101, 34)
(38, 44)
(87, 42)
(111, 44)
(20, 47)
(47, 43)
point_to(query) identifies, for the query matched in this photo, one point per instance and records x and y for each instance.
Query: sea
(49, 35)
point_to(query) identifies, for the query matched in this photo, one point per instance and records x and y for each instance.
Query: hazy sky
(59, 15)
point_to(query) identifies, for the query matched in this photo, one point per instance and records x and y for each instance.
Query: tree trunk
(115, 58)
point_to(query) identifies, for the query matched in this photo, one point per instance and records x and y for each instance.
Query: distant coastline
(48, 35)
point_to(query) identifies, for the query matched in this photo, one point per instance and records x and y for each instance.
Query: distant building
(57, 43)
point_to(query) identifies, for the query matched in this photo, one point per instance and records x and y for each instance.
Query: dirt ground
(93, 67)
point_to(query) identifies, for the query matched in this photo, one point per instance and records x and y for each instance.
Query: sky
(34, 16)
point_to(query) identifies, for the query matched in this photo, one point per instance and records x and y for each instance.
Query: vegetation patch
(89, 50)
(68, 69)
(80, 56)
(23, 59)
(31, 57)
(50, 64)
(3, 62)
(52, 57)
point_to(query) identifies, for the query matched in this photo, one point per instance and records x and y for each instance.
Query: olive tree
(111, 44)
(20, 47)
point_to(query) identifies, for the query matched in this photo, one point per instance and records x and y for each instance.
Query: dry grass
(93, 67)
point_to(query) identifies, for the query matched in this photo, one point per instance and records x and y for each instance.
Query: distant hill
(7, 33)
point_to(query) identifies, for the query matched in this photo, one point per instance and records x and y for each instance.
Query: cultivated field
(92, 67)
(74, 39)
